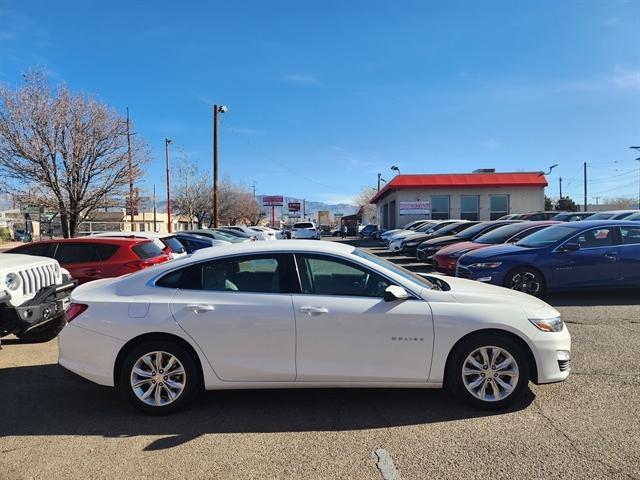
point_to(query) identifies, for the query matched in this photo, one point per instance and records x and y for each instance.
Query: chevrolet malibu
(304, 314)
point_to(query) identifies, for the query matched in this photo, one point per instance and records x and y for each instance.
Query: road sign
(31, 210)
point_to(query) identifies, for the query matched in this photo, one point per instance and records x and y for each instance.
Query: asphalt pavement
(55, 425)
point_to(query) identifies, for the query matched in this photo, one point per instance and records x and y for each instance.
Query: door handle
(314, 310)
(199, 308)
(611, 255)
(93, 271)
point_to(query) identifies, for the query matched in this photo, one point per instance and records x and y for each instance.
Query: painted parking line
(385, 464)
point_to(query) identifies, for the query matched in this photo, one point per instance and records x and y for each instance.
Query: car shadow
(588, 298)
(48, 400)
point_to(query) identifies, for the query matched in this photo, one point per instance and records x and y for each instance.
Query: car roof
(597, 223)
(94, 239)
(153, 235)
(288, 246)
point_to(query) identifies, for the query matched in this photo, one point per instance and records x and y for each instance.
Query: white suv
(305, 230)
(34, 291)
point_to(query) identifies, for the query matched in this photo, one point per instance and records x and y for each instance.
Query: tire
(526, 280)
(44, 333)
(184, 386)
(513, 378)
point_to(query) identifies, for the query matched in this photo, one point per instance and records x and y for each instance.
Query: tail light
(150, 262)
(74, 310)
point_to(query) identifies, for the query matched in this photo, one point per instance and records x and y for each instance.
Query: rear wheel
(526, 280)
(159, 377)
(488, 371)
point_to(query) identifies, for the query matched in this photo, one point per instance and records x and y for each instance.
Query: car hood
(471, 291)
(494, 251)
(460, 246)
(440, 241)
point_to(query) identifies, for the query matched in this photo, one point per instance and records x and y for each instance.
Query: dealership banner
(273, 200)
(415, 208)
(294, 206)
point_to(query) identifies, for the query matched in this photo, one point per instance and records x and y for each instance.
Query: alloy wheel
(490, 373)
(527, 282)
(158, 378)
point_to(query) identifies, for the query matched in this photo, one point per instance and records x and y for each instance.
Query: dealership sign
(273, 200)
(294, 206)
(415, 208)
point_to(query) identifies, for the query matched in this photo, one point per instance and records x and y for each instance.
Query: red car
(446, 259)
(91, 258)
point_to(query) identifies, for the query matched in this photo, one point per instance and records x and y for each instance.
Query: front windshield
(471, 232)
(601, 216)
(546, 237)
(448, 227)
(404, 273)
(500, 234)
(427, 227)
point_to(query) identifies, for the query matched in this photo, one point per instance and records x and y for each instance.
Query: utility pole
(216, 110)
(130, 171)
(638, 159)
(597, 199)
(304, 208)
(254, 189)
(166, 155)
(585, 187)
(155, 228)
(560, 179)
(379, 175)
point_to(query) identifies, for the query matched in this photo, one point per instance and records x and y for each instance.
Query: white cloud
(626, 77)
(302, 79)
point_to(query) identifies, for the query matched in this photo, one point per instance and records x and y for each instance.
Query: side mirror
(393, 293)
(569, 247)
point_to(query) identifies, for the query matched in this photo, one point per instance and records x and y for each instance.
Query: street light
(637, 149)
(217, 109)
(550, 168)
(380, 179)
(166, 156)
(393, 167)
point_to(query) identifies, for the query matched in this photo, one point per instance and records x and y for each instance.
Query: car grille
(35, 279)
(463, 272)
(564, 365)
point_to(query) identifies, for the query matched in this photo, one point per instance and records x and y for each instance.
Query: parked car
(572, 216)
(192, 242)
(427, 249)
(167, 242)
(368, 231)
(18, 234)
(308, 314)
(511, 216)
(576, 255)
(633, 218)
(305, 230)
(446, 259)
(250, 235)
(92, 258)
(613, 215)
(424, 227)
(271, 233)
(409, 246)
(409, 226)
(231, 237)
(537, 216)
(34, 292)
(246, 230)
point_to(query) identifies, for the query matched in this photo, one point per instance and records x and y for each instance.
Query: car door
(595, 263)
(239, 311)
(82, 259)
(347, 332)
(629, 255)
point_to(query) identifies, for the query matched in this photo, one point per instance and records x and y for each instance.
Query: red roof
(462, 180)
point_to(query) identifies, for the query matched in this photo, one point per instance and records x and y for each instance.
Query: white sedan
(307, 314)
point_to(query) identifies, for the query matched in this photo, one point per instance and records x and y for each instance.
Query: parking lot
(56, 425)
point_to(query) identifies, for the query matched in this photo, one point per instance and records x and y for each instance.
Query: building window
(499, 206)
(469, 207)
(392, 215)
(385, 215)
(440, 207)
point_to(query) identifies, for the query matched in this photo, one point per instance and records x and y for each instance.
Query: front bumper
(553, 356)
(48, 304)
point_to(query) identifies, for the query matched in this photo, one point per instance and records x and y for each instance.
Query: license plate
(66, 302)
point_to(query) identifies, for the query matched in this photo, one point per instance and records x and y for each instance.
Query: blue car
(193, 242)
(576, 255)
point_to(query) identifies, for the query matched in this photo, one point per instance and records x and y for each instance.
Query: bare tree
(237, 204)
(620, 203)
(193, 194)
(368, 211)
(65, 150)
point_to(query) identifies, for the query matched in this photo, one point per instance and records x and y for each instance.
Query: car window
(37, 249)
(303, 225)
(174, 244)
(500, 234)
(322, 275)
(594, 238)
(77, 253)
(630, 235)
(526, 233)
(546, 237)
(106, 250)
(146, 250)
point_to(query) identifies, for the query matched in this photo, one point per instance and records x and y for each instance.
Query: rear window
(174, 244)
(38, 249)
(146, 250)
(77, 253)
(303, 225)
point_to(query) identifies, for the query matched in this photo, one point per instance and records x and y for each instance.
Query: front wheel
(159, 377)
(488, 371)
(526, 280)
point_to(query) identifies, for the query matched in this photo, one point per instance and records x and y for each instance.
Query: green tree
(566, 204)
(548, 203)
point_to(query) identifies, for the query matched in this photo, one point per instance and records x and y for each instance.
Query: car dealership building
(481, 195)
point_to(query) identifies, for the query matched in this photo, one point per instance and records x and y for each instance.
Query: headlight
(411, 244)
(12, 281)
(548, 324)
(486, 265)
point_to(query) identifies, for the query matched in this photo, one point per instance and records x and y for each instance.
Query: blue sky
(323, 95)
